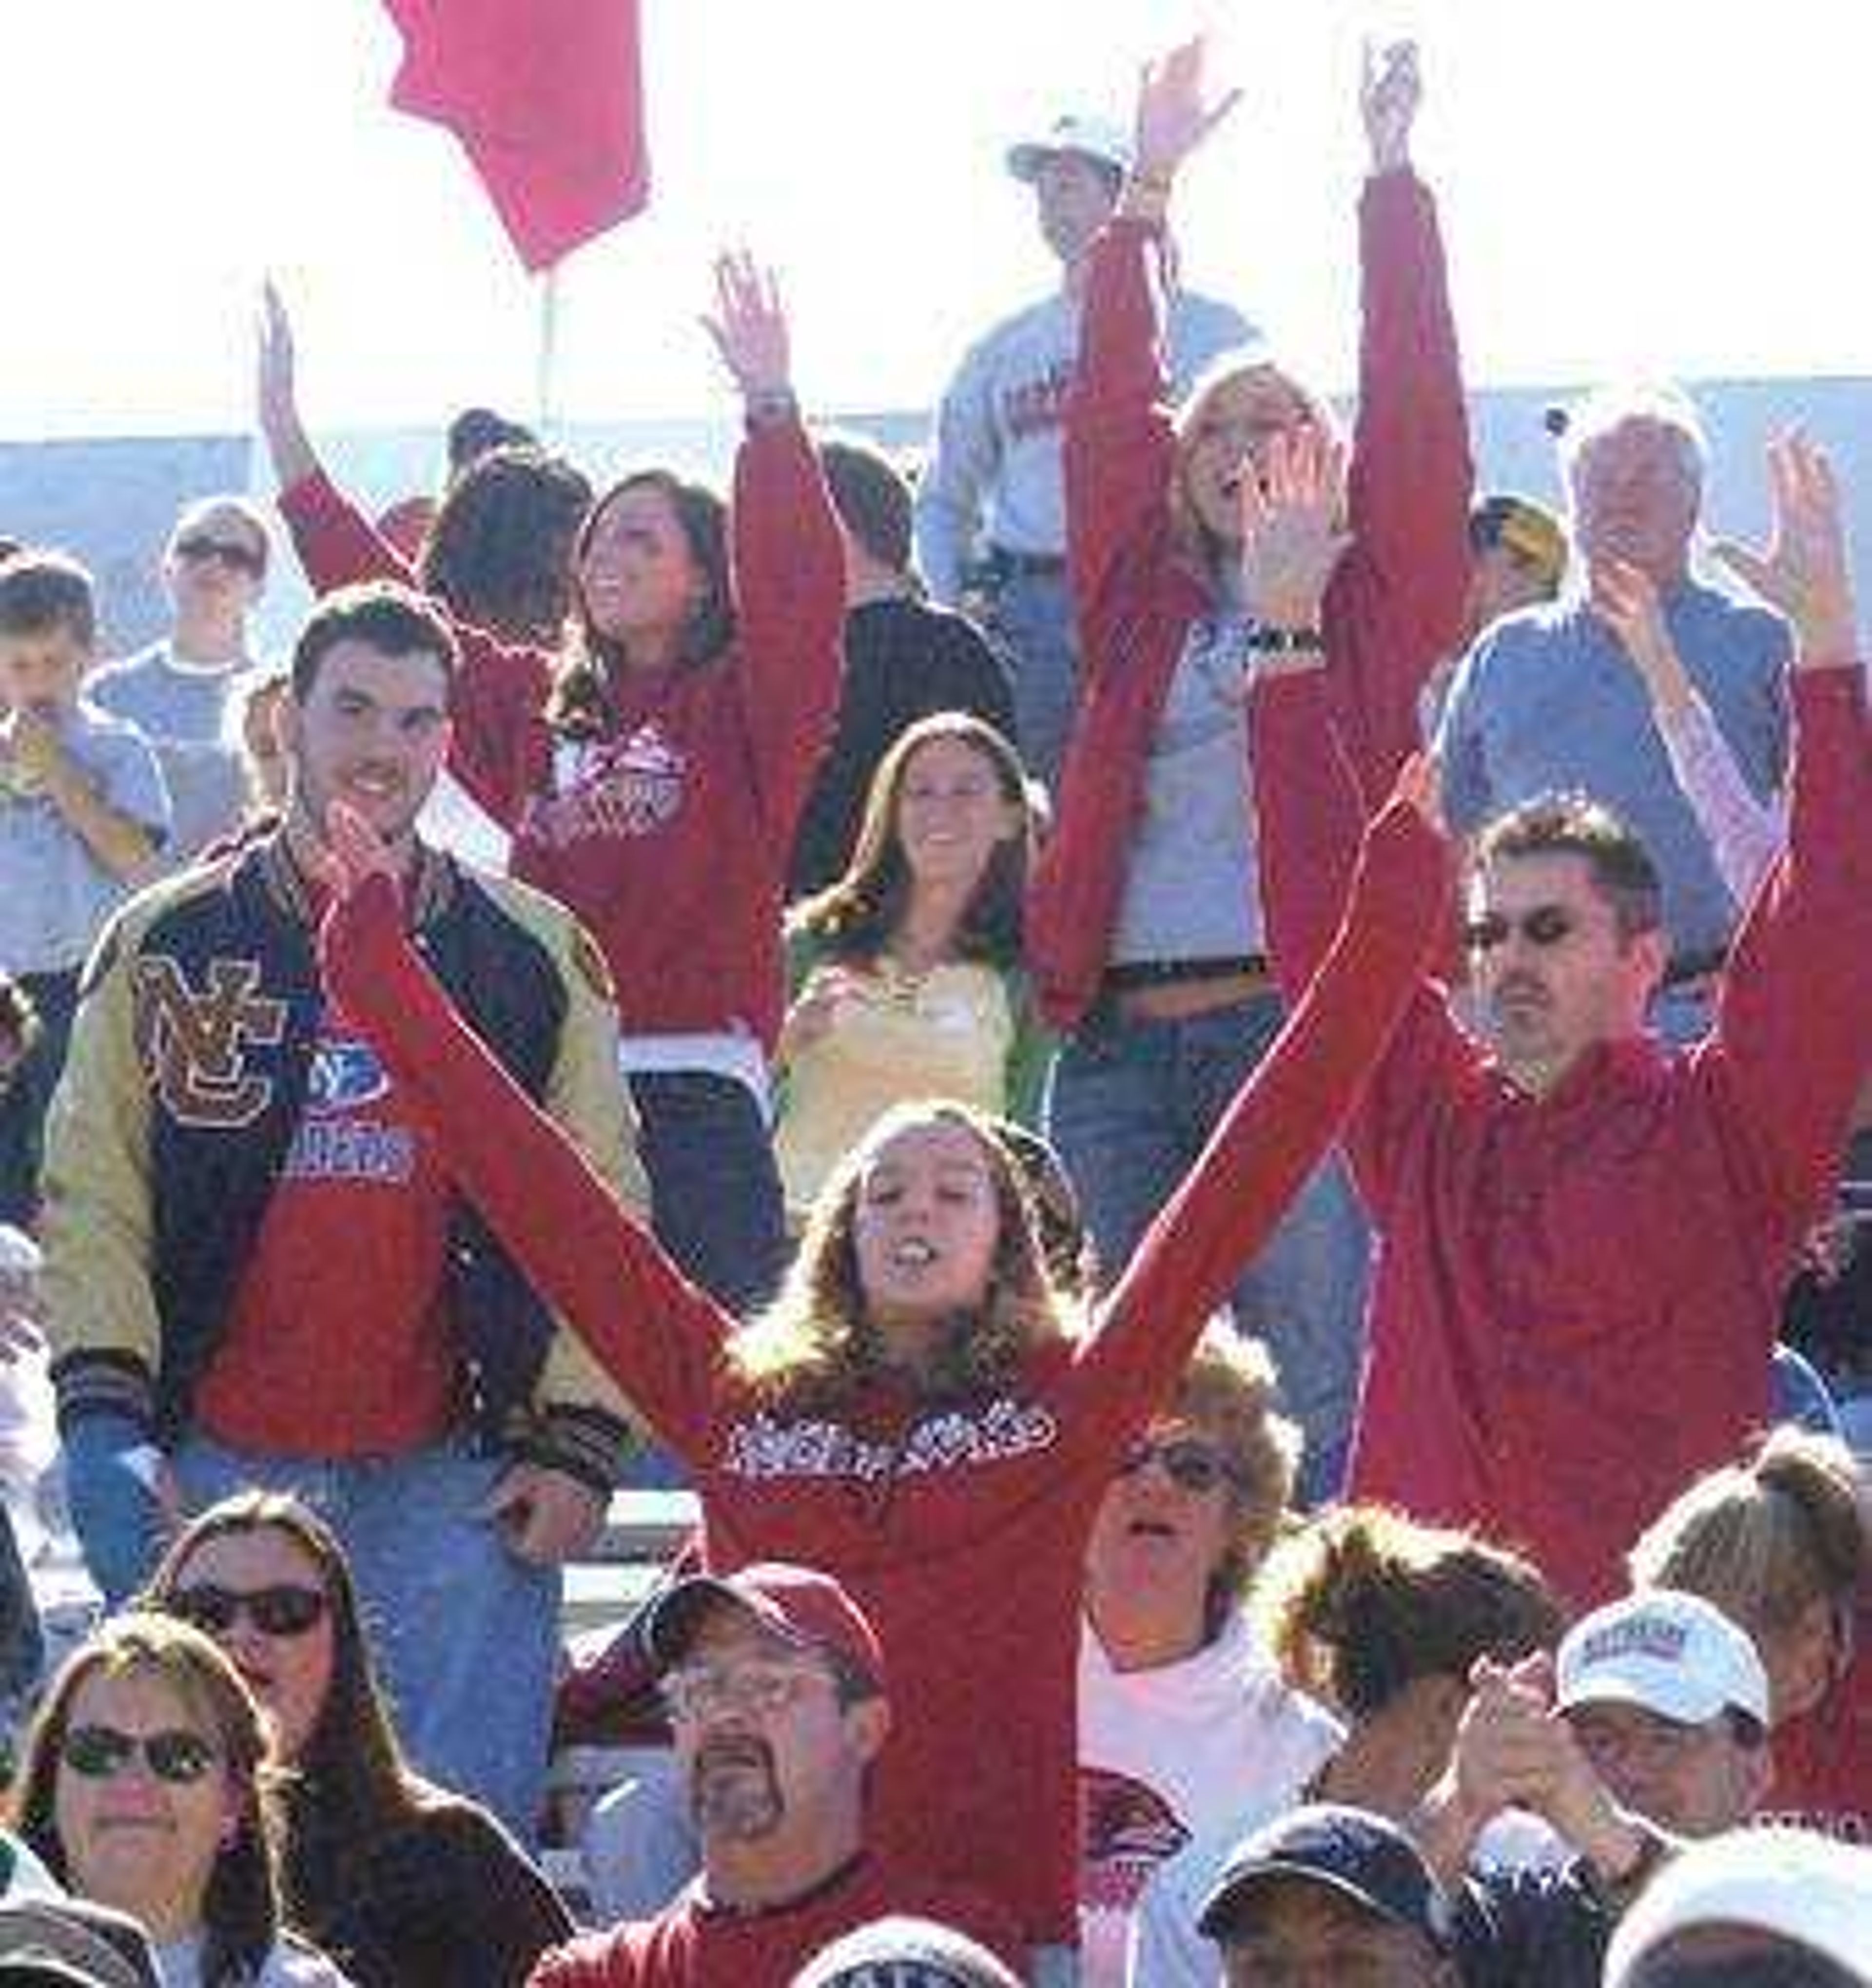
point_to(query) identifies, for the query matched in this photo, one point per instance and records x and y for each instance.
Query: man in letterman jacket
(257, 1271)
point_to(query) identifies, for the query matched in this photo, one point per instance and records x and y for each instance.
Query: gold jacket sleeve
(100, 1312)
(586, 1095)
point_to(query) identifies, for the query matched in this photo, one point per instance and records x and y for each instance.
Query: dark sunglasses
(226, 550)
(1545, 925)
(101, 1753)
(1189, 1465)
(284, 1611)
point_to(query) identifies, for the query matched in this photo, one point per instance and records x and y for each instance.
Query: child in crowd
(83, 807)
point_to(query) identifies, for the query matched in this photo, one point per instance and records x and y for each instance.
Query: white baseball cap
(1094, 137)
(1789, 1882)
(1675, 1655)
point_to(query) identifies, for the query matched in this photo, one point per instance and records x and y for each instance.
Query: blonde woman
(1778, 1540)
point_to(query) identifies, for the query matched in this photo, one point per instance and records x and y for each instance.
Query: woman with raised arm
(652, 770)
(921, 1413)
(1146, 935)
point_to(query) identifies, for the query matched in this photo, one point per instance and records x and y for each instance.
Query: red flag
(546, 97)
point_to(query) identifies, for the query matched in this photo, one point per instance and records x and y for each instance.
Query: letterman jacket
(190, 1064)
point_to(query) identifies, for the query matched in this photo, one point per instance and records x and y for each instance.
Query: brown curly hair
(816, 1347)
(1362, 1601)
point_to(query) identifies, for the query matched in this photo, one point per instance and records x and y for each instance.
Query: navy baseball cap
(1364, 1858)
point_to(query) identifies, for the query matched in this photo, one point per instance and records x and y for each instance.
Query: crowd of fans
(1195, 1079)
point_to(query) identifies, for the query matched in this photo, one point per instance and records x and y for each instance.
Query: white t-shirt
(1174, 1753)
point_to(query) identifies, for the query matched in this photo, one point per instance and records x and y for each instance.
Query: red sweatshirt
(1575, 1294)
(692, 1944)
(669, 837)
(960, 1529)
(1398, 592)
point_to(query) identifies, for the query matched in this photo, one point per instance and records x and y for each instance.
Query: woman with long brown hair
(402, 1881)
(650, 766)
(908, 970)
(919, 1414)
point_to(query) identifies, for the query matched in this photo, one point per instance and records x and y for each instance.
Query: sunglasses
(1546, 925)
(1189, 1464)
(228, 551)
(284, 1611)
(101, 1753)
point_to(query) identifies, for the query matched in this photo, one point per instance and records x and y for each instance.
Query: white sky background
(1661, 186)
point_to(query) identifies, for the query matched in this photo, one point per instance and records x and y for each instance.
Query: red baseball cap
(799, 1604)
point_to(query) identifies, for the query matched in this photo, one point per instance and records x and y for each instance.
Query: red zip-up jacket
(669, 838)
(960, 1528)
(1398, 593)
(1575, 1294)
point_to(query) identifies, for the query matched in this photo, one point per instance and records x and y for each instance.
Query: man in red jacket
(1585, 1236)
(775, 1683)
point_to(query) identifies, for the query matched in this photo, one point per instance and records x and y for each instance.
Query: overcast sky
(1625, 187)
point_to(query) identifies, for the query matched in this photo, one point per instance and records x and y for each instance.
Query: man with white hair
(1549, 700)
(992, 499)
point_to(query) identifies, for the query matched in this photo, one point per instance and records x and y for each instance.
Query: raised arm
(654, 1333)
(499, 691)
(1745, 834)
(1790, 1039)
(788, 554)
(1306, 796)
(1119, 446)
(336, 544)
(1397, 605)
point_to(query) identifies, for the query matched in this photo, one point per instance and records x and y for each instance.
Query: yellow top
(944, 1033)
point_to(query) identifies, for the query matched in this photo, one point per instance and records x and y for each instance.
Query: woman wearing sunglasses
(406, 1883)
(146, 1784)
(1184, 1723)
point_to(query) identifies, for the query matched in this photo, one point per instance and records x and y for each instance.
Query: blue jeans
(1131, 1104)
(24, 1102)
(1033, 623)
(465, 1635)
(716, 1201)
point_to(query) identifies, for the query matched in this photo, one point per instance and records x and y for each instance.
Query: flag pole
(548, 353)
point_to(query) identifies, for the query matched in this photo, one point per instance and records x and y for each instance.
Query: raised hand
(1420, 786)
(352, 851)
(1389, 95)
(1626, 600)
(749, 327)
(1176, 110)
(1292, 527)
(1803, 571)
(277, 383)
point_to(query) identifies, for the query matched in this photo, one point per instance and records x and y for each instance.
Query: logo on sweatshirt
(1130, 1830)
(345, 1074)
(339, 1138)
(630, 786)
